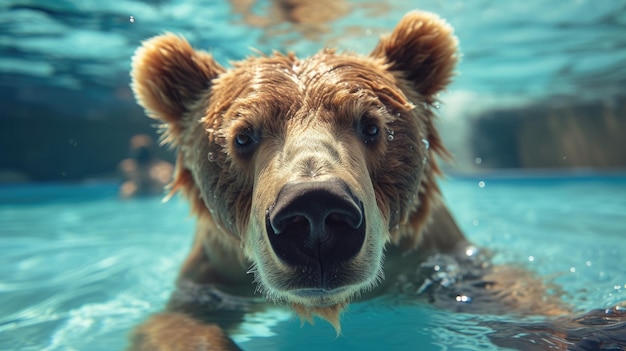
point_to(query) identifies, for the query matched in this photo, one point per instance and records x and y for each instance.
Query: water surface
(79, 267)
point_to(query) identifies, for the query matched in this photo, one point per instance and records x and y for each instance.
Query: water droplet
(481, 184)
(463, 298)
(531, 258)
(478, 160)
(131, 19)
(426, 144)
(211, 157)
(470, 251)
(572, 269)
(390, 134)
(436, 105)
(398, 114)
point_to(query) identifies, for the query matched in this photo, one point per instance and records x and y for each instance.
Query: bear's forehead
(272, 92)
(284, 85)
(318, 74)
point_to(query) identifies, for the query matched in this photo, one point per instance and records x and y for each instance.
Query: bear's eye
(369, 133)
(370, 130)
(243, 139)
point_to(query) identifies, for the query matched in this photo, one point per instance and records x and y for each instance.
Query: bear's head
(310, 166)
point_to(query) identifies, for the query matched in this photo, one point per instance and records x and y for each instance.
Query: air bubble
(211, 157)
(481, 184)
(463, 298)
(478, 160)
(131, 19)
(426, 144)
(470, 251)
(390, 134)
(424, 160)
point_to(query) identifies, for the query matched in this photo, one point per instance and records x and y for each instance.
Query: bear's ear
(169, 76)
(424, 49)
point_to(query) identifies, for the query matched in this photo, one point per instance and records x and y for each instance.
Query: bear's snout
(316, 224)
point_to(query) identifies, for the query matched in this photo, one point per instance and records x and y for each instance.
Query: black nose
(316, 223)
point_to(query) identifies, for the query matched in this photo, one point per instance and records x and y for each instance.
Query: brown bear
(303, 175)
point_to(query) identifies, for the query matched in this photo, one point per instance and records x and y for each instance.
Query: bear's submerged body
(314, 184)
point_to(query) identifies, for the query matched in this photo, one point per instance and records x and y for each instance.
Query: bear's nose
(316, 223)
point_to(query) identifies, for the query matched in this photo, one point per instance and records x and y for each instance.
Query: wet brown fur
(298, 106)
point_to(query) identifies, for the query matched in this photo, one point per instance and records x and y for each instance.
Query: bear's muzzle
(315, 227)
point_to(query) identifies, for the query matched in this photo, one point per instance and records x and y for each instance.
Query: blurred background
(541, 85)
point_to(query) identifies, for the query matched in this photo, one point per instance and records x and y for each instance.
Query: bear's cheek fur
(398, 174)
(226, 197)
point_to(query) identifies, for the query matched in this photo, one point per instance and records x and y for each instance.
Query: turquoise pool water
(79, 267)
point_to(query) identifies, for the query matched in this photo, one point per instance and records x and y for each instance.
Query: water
(79, 267)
